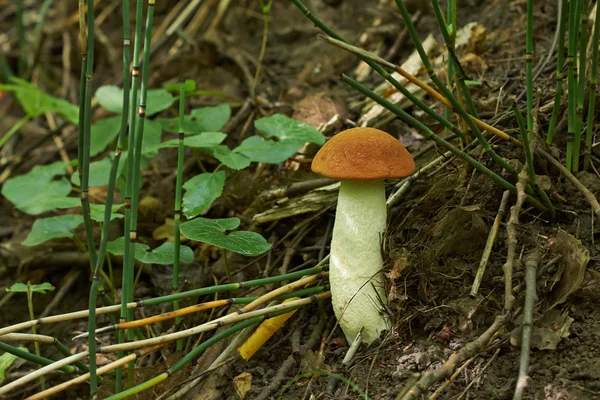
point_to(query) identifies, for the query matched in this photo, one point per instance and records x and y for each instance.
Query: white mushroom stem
(355, 271)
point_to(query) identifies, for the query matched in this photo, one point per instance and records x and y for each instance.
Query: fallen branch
(531, 265)
(446, 370)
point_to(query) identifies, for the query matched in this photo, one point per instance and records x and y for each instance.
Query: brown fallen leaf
(242, 384)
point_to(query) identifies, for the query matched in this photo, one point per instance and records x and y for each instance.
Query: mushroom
(361, 158)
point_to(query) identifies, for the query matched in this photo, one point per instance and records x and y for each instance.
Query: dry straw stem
(490, 243)
(511, 232)
(589, 196)
(100, 371)
(42, 371)
(225, 320)
(531, 265)
(27, 337)
(405, 184)
(445, 371)
(431, 91)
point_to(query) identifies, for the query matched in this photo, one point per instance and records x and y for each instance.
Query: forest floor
(436, 233)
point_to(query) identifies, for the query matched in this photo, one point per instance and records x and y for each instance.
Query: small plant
(30, 290)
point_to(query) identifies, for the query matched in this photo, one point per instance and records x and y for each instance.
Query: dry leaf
(242, 384)
(573, 266)
(167, 231)
(313, 361)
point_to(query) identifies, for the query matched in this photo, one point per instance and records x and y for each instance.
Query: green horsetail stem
(177, 211)
(560, 76)
(168, 298)
(438, 140)
(592, 92)
(452, 59)
(583, 39)
(96, 280)
(128, 263)
(447, 94)
(449, 70)
(25, 355)
(571, 80)
(526, 135)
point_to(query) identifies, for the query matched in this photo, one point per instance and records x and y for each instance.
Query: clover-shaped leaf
(213, 231)
(38, 288)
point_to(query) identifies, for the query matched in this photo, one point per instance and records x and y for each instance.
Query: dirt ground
(436, 234)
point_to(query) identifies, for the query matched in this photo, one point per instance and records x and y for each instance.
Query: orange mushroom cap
(363, 154)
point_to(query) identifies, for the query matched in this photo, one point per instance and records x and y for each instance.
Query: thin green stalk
(529, 76)
(192, 355)
(447, 94)
(571, 81)
(135, 166)
(441, 142)
(128, 262)
(452, 34)
(62, 349)
(560, 77)
(22, 43)
(96, 280)
(177, 216)
(583, 38)
(526, 135)
(25, 355)
(592, 92)
(14, 129)
(36, 345)
(460, 79)
(37, 33)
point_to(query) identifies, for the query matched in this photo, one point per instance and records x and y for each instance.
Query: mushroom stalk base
(355, 271)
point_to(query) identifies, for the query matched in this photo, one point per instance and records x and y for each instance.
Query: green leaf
(28, 191)
(111, 98)
(97, 212)
(38, 288)
(100, 171)
(45, 229)
(207, 119)
(268, 151)
(285, 128)
(201, 191)
(163, 254)
(202, 140)
(36, 102)
(102, 133)
(212, 231)
(152, 136)
(52, 202)
(231, 159)
(188, 86)
(6, 361)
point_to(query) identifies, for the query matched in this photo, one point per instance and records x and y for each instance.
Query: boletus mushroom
(361, 158)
